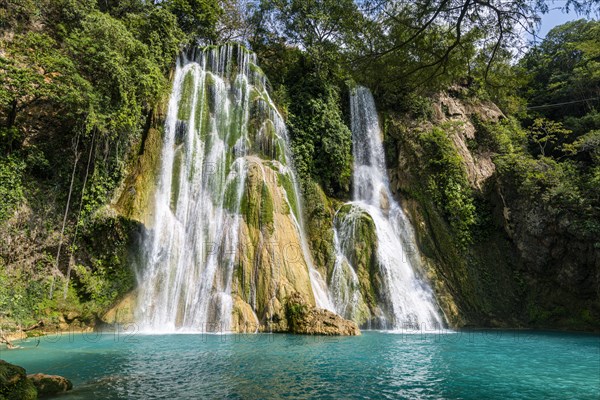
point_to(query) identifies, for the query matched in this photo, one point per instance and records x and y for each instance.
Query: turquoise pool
(464, 365)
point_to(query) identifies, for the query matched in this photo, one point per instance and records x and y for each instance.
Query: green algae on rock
(14, 384)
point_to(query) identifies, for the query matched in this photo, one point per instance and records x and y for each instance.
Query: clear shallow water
(467, 365)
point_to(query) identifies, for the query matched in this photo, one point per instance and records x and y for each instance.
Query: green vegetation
(11, 186)
(310, 85)
(321, 141)
(266, 208)
(557, 168)
(447, 183)
(82, 82)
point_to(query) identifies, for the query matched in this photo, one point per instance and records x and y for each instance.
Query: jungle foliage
(81, 80)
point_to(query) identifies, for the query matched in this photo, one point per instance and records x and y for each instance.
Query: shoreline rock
(307, 320)
(48, 385)
(14, 384)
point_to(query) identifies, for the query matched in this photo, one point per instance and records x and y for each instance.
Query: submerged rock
(14, 384)
(305, 319)
(48, 385)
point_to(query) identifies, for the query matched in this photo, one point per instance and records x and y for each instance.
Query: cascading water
(404, 299)
(220, 118)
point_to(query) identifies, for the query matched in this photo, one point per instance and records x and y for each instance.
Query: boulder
(48, 385)
(71, 316)
(14, 384)
(304, 319)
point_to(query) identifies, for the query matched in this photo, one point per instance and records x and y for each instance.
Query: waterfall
(404, 300)
(220, 119)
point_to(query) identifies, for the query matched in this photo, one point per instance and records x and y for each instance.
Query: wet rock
(123, 311)
(48, 385)
(14, 384)
(181, 129)
(304, 319)
(271, 265)
(71, 316)
(384, 201)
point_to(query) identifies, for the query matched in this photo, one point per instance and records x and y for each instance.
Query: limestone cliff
(270, 263)
(523, 266)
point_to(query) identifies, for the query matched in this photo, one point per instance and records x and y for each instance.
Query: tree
(34, 71)
(235, 22)
(322, 143)
(125, 78)
(197, 18)
(546, 134)
(564, 75)
(501, 21)
(158, 29)
(319, 27)
(298, 44)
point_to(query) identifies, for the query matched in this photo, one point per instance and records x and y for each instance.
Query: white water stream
(405, 300)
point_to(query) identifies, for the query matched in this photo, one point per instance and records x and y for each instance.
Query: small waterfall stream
(404, 299)
(219, 118)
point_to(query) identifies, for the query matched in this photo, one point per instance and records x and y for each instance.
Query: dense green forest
(83, 82)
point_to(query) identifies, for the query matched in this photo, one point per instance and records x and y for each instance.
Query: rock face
(123, 311)
(479, 166)
(271, 265)
(479, 286)
(135, 193)
(48, 385)
(527, 266)
(305, 319)
(14, 384)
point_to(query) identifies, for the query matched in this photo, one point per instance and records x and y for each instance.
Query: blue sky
(556, 17)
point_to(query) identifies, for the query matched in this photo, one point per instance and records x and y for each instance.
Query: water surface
(466, 365)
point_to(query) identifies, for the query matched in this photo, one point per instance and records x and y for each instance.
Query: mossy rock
(185, 103)
(363, 254)
(14, 384)
(50, 385)
(319, 212)
(284, 180)
(266, 208)
(305, 319)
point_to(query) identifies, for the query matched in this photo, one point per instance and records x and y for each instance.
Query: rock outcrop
(14, 384)
(271, 263)
(308, 320)
(361, 253)
(447, 109)
(123, 311)
(527, 266)
(477, 286)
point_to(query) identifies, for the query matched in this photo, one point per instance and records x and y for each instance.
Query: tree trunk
(12, 115)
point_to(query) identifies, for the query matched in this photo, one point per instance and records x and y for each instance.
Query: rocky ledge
(305, 319)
